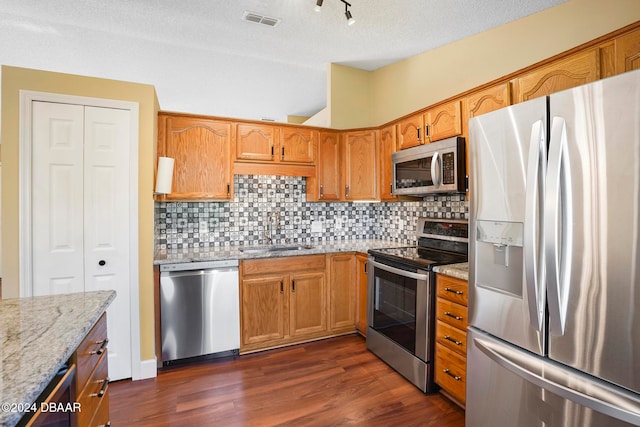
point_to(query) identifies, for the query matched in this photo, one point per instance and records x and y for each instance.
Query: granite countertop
(37, 336)
(214, 253)
(460, 271)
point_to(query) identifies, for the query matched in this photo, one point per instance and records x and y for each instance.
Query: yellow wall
(349, 97)
(422, 80)
(16, 79)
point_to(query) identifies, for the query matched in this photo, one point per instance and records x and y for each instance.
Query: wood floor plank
(334, 382)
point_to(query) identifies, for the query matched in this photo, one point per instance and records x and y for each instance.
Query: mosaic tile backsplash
(273, 209)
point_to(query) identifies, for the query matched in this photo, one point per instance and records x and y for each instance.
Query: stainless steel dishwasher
(199, 309)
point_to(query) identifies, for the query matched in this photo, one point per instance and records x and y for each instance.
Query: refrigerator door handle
(558, 230)
(555, 378)
(436, 170)
(533, 225)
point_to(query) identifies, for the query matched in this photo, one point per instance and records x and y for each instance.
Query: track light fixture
(347, 13)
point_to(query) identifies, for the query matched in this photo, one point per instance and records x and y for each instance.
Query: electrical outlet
(203, 227)
(316, 226)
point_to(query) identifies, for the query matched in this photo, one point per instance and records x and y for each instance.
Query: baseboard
(146, 369)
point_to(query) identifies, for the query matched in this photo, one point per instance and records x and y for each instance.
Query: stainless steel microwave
(438, 167)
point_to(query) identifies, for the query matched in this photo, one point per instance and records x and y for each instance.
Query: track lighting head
(318, 5)
(350, 20)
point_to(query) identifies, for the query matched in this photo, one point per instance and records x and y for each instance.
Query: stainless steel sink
(274, 248)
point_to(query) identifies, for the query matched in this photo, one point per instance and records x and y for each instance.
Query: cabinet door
(360, 165)
(361, 293)
(308, 304)
(201, 149)
(443, 121)
(410, 132)
(575, 70)
(297, 145)
(489, 99)
(264, 309)
(387, 148)
(329, 166)
(628, 52)
(342, 288)
(256, 142)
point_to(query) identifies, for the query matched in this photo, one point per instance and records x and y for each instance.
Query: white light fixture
(164, 176)
(318, 6)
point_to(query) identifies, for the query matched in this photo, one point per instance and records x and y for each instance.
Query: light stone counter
(214, 253)
(460, 271)
(37, 336)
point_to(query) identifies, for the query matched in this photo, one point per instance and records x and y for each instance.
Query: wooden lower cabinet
(92, 376)
(342, 291)
(296, 299)
(361, 293)
(451, 336)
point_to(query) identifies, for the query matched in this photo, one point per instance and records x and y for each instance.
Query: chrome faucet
(273, 222)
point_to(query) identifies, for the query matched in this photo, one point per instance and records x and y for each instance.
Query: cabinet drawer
(451, 372)
(451, 313)
(453, 338)
(90, 350)
(95, 391)
(101, 417)
(285, 264)
(452, 289)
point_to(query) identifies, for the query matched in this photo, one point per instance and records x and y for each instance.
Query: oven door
(398, 306)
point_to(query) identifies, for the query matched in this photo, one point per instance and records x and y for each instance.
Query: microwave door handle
(558, 229)
(533, 226)
(435, 170)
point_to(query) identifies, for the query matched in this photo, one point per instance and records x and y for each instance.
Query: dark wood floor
(326, 383)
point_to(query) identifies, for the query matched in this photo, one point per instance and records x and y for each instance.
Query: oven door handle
(399, 271)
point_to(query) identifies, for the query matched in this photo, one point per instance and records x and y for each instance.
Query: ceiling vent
(260, 19)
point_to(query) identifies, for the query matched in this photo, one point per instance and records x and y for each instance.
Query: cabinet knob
(102, 263)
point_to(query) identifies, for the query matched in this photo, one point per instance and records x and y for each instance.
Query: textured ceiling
(203, 58)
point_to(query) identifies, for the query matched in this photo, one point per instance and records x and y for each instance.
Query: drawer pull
(448, 338)
(108, 424)
(455, 377)
(453, 291)
(448, 313)
(103, 346)
(103, 390)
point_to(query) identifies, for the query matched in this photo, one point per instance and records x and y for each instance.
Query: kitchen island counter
(214, 253)
(37, 337)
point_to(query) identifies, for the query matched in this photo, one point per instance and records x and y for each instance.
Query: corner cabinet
(201, 149)
(342, 291)
(360, 168)
(451, 336)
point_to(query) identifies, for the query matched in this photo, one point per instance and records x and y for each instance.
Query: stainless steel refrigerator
(554, 273)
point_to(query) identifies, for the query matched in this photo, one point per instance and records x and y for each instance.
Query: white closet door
(80, 211)
(57, 194)
(106, 219)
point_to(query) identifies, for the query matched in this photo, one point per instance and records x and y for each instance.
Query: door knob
(102, 262)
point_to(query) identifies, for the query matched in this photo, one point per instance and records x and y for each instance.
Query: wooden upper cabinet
(297, 145)
(328, 171)
(410, 131)
(360, 154)
(575, 70)
(443, 121)
(387, 148)
(201, 149)
(489, 99)
(256, 142)
(628, 52)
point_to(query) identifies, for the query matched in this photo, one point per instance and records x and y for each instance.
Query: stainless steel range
(401, 298)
